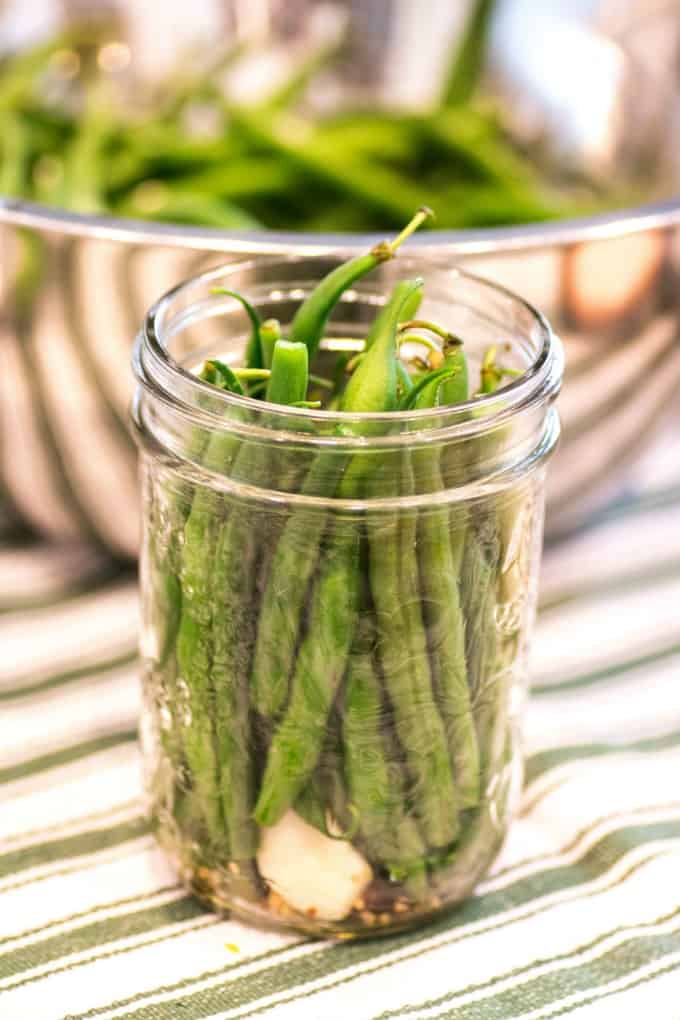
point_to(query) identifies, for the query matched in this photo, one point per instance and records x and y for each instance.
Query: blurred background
(142, 142)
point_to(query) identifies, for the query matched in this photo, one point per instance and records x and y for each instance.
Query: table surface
(580, 916)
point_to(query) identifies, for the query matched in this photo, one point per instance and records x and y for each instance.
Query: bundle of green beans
(75, 134)
(333, 683)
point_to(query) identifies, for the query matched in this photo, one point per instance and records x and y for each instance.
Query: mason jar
(336, 607)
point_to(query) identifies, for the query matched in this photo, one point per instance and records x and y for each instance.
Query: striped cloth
(580, 916)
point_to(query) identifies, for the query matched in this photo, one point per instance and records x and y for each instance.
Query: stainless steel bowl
(610, 286)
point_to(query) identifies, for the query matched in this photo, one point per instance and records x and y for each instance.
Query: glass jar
(336, 608)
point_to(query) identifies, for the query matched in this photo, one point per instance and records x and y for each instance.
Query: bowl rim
(481, 241)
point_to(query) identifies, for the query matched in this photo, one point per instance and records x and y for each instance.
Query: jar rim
(158, 372)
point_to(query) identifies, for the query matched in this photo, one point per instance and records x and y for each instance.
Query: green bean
(254, 357)
(407, 297)
(293, 564)
(194, 657)
(166, 568)
(382, 135)
(289, 373)
(466, 205)
(480, 559)
(257, 375)
(311, 801)
(270, 332)
(502, 541)
(374, 384)
(242, 178)
(217, 373)
(456, 389)
(290, 573)
(188, 606)
(240, 544)
(394, 585)
(19, 75)
(387, 192)
(16, 153)
(393, 570)
(430, 382)
(324, 214)
(481, 564)
(83, 185)
(159, 565)
(324, 802)
(492, 374)
(195, 639)
(374, 777)
(232, 630)
(188, 91)
(295, 86)
(176, 206)
(475, 143)
(162, 148)
(310, 320)
(311, 694)
(377, 373)
(159, 152)
(412, 299)
(244, 166)
(233, 627)
(443, 387)
(320, 666)
(439, 562)
(467, 67)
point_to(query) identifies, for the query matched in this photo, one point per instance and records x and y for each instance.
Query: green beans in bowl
(342, 520)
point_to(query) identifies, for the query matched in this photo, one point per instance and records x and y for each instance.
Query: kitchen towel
(579, 917)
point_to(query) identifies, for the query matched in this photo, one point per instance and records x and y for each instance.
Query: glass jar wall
(336, 610)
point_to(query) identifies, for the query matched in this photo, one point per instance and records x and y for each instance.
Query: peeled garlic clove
(314, 874)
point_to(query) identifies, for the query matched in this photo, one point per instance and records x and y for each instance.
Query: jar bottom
(217, 887)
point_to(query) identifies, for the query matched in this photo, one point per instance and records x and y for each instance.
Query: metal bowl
(610, 286)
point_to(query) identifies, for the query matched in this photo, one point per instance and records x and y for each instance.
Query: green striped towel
(579, 918)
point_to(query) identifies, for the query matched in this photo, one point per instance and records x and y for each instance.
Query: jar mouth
(193, 301)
